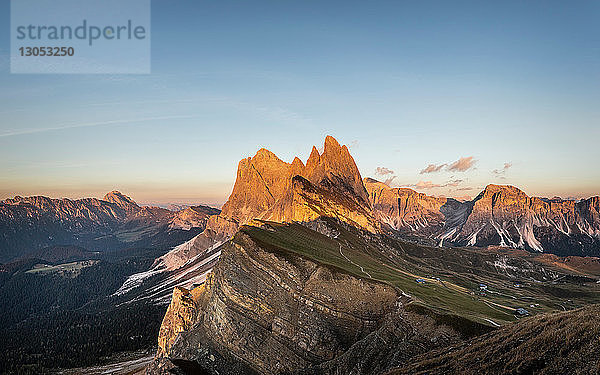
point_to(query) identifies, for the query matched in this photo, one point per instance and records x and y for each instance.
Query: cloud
(426, 185)
(463, 164)
(89, 125)
(466, 188)
(431, 168)
(502, 171)
(453, 183)
(382, 171)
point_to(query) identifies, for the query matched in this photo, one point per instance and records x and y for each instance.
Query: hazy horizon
(444, 99)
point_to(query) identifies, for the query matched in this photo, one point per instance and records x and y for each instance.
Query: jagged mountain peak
(266, 187)
(313, 159)
(121, 200)
(504, 189)
(335, 169)
(264, 154)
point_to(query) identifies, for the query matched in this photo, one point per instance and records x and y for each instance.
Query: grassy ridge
(449, 287)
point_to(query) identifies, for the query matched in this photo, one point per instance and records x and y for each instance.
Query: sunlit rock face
(179, 317)
(274, 313)
(122, 201)
(506, 216)
(305, 202)
(336, 170)
(267, 187)
(500, 215)
(403, 208)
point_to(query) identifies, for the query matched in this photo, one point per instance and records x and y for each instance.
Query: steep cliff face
(305, 202)
(506, 216)
(180, 317)
(336, 170)
(403, 208)
(499, 215)
(274, 312)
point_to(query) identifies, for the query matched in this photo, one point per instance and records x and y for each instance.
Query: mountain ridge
(30, 223)
(499, 215)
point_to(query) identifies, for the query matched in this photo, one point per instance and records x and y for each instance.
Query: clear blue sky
(404, 83)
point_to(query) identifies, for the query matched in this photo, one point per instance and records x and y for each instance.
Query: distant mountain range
(28, 224)
(268, 188)
(330, 185)
(500, 215)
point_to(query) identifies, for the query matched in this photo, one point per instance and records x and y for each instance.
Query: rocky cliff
(268, 311)
(499, 215)
(405, 209)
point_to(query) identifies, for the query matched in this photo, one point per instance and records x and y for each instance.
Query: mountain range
(311, 269)
(499, 215)
(28, 224)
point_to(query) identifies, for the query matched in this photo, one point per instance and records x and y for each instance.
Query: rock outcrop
(274, 312)
(179, 317)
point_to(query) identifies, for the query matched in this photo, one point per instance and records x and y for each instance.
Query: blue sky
(405, 84)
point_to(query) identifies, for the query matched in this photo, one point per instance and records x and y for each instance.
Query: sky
(443, 97)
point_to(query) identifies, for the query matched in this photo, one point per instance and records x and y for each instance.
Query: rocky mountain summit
(268, 188)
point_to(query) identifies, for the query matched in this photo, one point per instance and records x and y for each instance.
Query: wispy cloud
(463, 164)
(426, 185)
(89, 125)
(432, 168)
(382, 171)
(501, 172)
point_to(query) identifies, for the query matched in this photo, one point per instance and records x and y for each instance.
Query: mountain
(308, 269)
(28, 224)
(403, 208)
(330, 185)
(267, 187)
(500, 215)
